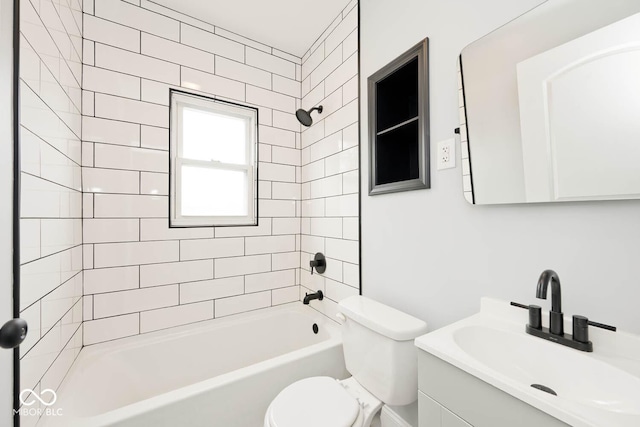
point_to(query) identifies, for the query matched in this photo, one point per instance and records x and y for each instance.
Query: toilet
(379, 354)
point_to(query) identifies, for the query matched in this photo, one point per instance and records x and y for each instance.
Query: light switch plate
(446, 154)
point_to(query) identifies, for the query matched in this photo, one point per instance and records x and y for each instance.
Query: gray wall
(432, 254)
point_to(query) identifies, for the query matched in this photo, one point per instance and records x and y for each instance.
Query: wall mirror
(399, 123)
(551, 105)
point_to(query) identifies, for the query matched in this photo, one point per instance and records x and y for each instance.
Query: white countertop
(594, 389)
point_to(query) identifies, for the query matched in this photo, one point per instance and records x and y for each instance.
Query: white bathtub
(223, 372)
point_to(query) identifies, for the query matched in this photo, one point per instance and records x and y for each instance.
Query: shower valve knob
(319, 263)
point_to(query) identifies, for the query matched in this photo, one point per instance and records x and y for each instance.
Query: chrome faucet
(556, 318)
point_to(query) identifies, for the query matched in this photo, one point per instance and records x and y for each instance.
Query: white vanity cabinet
(450, 397)
(449, 419)
(432, 414)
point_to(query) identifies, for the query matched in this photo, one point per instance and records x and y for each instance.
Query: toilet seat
(322, 402)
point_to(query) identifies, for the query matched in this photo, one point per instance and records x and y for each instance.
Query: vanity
(486, 371)
(449, 397)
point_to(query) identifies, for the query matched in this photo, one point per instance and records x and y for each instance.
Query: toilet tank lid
(382, 319)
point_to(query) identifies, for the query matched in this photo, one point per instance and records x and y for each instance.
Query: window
(213, 151)
(399, 124)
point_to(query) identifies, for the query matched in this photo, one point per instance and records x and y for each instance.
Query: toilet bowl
(322, 402)
(379, 353)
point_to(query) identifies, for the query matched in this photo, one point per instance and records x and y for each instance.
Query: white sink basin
(572, 375)
(593, 389)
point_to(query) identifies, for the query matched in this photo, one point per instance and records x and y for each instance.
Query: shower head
(304, 116)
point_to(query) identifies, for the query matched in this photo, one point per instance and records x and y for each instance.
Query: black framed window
(213, 170)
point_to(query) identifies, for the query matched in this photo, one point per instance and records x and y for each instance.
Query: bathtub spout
(316, 295)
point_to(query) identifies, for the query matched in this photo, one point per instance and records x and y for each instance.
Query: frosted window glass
(213, 192)
(213, 137)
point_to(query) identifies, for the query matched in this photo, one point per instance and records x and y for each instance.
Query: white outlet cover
(446, 154)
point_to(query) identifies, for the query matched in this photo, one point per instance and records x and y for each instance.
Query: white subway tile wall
(99, 261)
(141, 276)
(329, 173)
(51, 252)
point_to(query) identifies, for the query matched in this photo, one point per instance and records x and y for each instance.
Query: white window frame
(180, 100)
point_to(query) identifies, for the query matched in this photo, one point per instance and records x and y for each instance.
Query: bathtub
(223, 372)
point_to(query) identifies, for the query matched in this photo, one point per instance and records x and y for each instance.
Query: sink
(570, 374)
(581, 389)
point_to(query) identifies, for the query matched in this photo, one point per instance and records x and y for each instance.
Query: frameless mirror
(551, 105)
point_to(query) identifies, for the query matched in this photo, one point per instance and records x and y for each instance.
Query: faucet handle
(580, 328)
(535, 316)
(603, 326)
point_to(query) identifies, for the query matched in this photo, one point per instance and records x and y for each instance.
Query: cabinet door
(451, 420)
(428, 411)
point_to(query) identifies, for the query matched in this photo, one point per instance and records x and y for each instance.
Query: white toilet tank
(379, 350)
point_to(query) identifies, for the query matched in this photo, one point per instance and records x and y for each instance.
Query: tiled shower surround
(141, 276)
(95, 243)
(51, 208)
(330, 208)
(98, 259)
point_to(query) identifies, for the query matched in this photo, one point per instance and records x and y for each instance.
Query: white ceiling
(288, 25)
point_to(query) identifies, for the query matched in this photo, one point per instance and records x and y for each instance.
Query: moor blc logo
(46, 398)
(27, 392)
